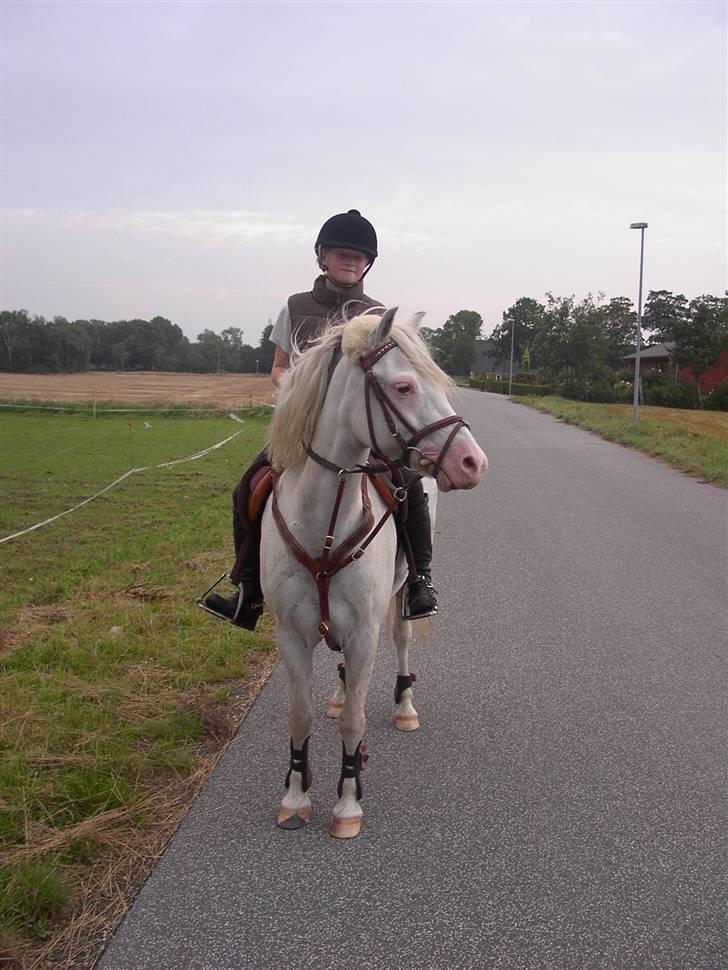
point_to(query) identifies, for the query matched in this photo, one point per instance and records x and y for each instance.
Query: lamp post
(636, 396)
(510, 377)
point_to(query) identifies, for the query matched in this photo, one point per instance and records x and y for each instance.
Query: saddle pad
(260, 489)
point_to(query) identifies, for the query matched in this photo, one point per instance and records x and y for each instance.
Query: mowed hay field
(118, 693)
(141, 387)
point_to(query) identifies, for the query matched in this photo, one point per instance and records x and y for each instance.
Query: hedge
(501, 387)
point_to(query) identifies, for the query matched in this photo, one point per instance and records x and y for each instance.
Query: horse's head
(408, 414)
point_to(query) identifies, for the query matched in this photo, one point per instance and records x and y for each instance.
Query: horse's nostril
(470, 463)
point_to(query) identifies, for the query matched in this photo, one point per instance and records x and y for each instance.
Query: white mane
(304, 387)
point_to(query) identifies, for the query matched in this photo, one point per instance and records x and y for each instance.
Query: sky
(178, 159)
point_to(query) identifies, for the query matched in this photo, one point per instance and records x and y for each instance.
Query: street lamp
(636, 396)
(510, 377)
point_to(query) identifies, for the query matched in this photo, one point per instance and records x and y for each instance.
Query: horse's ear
(416, 319)
(385, 325)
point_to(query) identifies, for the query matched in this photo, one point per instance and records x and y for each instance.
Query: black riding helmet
(348, 230)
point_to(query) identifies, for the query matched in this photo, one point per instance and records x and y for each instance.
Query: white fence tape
(132, 471)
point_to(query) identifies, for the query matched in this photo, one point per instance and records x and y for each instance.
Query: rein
(331, 561)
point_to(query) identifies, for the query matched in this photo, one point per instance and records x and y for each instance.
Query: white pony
(368, 385)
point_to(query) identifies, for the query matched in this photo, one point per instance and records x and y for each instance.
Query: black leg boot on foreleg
(295, 810)
(352, 765)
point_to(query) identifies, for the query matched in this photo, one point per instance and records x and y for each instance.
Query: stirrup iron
(405, 607)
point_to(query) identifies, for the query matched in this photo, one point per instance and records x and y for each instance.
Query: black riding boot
(421, 595)
(245, 606)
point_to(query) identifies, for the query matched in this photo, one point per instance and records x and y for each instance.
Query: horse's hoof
(333, 710)
(410, 722)
(290, 819)
(345, 828)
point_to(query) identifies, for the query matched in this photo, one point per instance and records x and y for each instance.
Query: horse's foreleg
(337, 701)
(405, 715)
(295, 808)
(346, 822)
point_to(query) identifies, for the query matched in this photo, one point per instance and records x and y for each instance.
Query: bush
(586, 389)
(717, 400)
(653, 378)
(601, 391)
(623, 392)
(501, 387)
(672, 395)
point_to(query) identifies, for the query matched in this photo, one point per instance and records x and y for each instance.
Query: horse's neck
(311, 490)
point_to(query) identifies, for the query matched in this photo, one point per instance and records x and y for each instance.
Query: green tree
(453, 343)
(266, 350)
(522, 320)
(211, 351)
(571, 343)
(664, 312)
(14, 325)
(68, 346)
(702, 338)
(620, 330)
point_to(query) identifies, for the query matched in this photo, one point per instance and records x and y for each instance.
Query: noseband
(390, 411)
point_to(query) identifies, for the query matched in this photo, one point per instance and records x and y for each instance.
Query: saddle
(260, 487)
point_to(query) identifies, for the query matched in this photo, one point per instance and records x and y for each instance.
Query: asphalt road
(564, 803)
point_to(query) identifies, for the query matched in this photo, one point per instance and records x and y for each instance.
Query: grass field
(118, 693)
(694, 441)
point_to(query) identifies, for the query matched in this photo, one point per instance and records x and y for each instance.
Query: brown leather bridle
(331, 561)
(390, 410)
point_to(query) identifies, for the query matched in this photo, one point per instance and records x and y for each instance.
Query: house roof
(656, 352)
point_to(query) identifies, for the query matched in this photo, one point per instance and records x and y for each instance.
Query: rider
(345, 248)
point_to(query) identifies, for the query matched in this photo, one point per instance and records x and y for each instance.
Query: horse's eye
(404, 389)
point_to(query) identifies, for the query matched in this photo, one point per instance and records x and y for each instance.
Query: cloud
(216, 224)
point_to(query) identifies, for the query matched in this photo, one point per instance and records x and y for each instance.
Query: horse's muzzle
(464, 464)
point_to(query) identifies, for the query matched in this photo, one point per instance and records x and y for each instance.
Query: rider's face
(344, 265)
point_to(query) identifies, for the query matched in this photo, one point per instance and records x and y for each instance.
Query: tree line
(580, 345)
(36, 345)
(569, 343)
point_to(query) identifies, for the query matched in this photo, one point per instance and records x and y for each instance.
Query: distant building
(487, 361)
(660, 357)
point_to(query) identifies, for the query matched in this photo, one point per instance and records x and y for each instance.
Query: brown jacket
(311, 313)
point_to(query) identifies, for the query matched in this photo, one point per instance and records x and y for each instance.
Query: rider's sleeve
(281, 332)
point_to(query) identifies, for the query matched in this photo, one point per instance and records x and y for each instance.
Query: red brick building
(660, 358)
